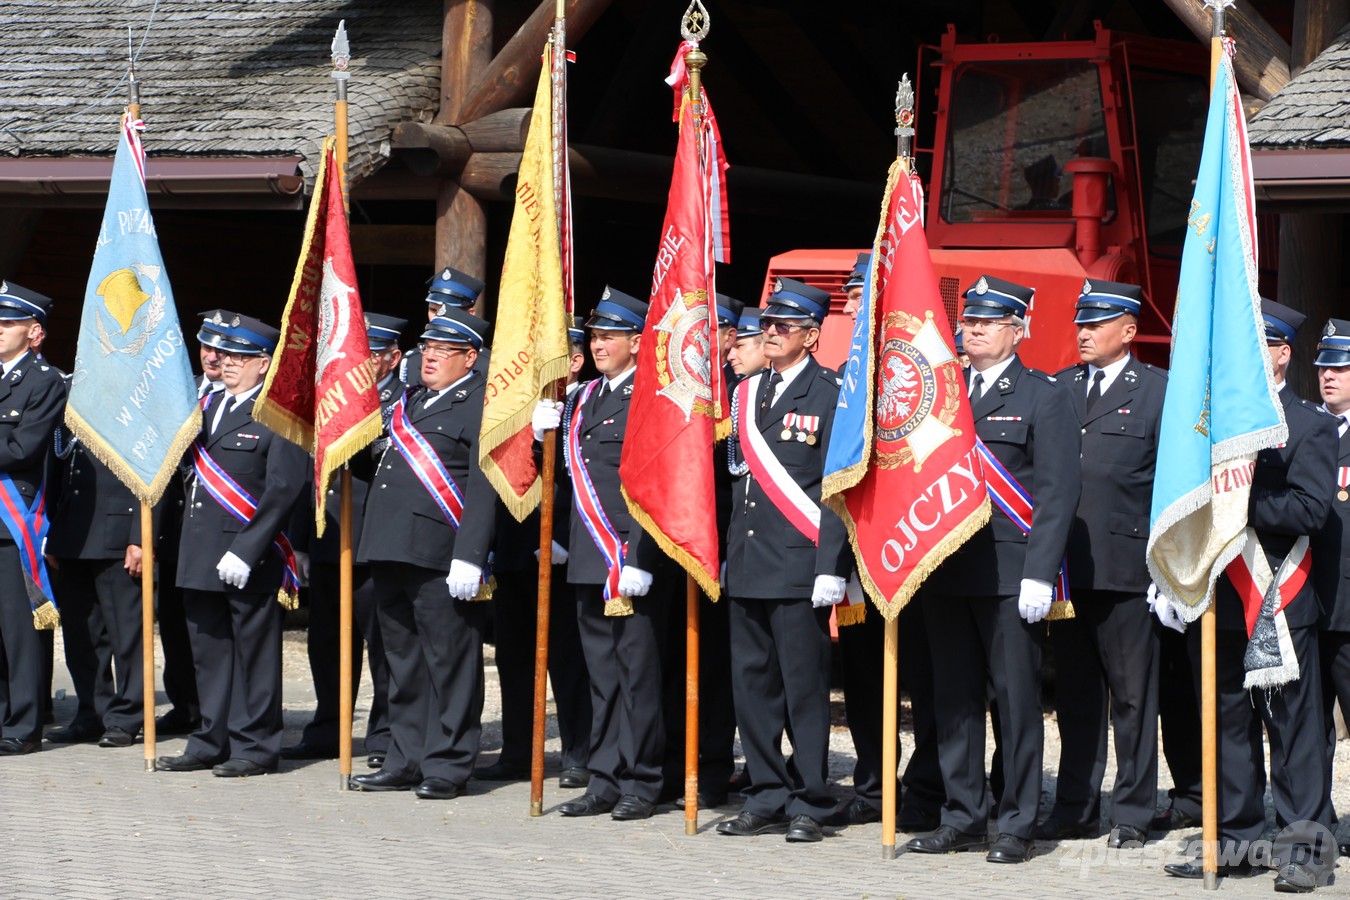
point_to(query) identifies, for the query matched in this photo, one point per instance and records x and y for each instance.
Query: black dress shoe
(381, 781)
(500, 771)
(1196, 870)
(915, 821)
(116, 737)
(1127, 837)
(804, 830)
(1295, 879)
(1009, 848)
(175, 722)
(375, 761)
(575, 777)
(586, 805)
(706, 800)
(185, 763)
(1171, 819)
(947, 840)
(242, 768)
(1055, 829)
(75, 734)
(748, 824)
(437, 789)
(16, 747)
(630, 808)
(306, 750)
(856, 812)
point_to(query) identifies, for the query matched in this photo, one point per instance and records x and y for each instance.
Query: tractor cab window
(1013, 127)
(1169, 142)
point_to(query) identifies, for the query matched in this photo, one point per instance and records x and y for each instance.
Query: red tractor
(1051, 162)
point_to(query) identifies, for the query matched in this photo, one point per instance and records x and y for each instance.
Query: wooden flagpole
(548, 471)
(341, 58)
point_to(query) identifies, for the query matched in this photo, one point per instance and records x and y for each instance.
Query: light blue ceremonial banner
(848, 438)
(133, 401)
(1221, 405)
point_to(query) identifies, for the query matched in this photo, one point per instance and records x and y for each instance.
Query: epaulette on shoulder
(1042, 376)
(1155, 370)
(829, 376)
(1316, 408)
(1070, 371)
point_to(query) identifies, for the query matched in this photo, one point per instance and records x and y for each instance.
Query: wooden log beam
(509, 79)
(442, 150)
(461, 220)
(1316, 22)
(1262, 61)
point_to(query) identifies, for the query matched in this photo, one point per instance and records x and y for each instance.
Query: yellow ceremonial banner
(529, 346)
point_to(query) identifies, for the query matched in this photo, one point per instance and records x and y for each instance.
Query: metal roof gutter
(1303, 179)
(221, 182)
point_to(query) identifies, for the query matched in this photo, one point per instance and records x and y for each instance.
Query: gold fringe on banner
(45, 617)
(104, 453)
(686, 560)
(853, 614)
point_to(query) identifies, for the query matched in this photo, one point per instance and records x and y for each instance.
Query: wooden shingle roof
(219, 78)
(1313, 109)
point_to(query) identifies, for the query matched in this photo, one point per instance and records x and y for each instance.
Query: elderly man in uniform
(984, 606)
(610, 567)
(447, 289)
(1108, 653)
(1291, 496)
(319, 740)
(233, 557)
(33, 395)
(787, 560)
(431, 510)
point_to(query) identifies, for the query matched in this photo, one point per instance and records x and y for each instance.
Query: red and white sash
(782, 490)
(587, 501)
(1009, 495)
(1252, 579)
(425, 464)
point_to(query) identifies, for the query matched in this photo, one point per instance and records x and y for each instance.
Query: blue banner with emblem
(1221, 406)
(133, 401)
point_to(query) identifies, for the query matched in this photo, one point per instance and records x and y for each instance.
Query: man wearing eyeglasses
(319, 740)
(787, 560)
(431, 510)
(233, 557)
(984, 606)
(447, 289)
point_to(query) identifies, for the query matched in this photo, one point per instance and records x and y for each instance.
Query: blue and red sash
(238, 503)
(1009, 496)
(425, 464)
(587, 501)
(27, 525)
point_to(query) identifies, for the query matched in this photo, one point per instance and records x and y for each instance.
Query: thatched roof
(219, 78)
(1312, 110)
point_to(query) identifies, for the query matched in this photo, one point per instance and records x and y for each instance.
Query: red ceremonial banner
(320, 390)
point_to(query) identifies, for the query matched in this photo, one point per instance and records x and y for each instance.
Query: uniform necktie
(976, 387)
(766, 401)
(1094, 394)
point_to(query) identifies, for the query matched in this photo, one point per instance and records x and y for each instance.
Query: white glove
(464, 579)
(302, 566)
(559, 554)
(634, 582)
(547, 416)
(233, 570)
(829, 591)
(1164, 610)
(1033, 604)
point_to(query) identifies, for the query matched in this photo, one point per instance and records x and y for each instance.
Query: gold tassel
(289, 600)
(853, 614)
(1060, 609)
(619, 606)
(45, 617)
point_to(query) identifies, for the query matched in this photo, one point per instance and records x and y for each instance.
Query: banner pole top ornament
(342, 53)
(904, 117)
(696, 22)
(694, 27)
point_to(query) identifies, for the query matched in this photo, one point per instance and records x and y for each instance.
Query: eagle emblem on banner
(918, 391)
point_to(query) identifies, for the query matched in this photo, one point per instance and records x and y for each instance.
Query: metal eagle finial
(904, 108)
(696, 22)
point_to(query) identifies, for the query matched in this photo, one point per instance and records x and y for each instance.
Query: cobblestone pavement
(85, 822)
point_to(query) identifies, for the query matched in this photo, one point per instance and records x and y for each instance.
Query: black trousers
(1179, 717)
(624, 659)
(236, 643)
(979, 644)
(515, 607)
(1334, 651)
(861, 649)
(780, 671)
(1299, 780)
(434, 647)
(180, 672)
(21, 676)
(324, 657)
(101, 626)
(1106, 668)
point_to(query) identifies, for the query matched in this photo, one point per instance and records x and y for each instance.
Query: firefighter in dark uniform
(430, 511)
(33, 395)
(230, 570)
(514, 616)
(1110, 648)
(1291, 497)
(319, 740)
(447, 289)
(1331, 547)
(786, 568)
(861, 657)
(621, 616)
(984, 606)
(95, 539)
